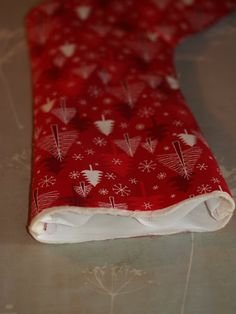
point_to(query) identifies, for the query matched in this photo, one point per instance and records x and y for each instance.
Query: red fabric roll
(116, 151)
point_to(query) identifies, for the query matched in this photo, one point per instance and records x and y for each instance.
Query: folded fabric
(116, 151)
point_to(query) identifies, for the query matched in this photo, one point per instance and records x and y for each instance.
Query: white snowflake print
(133, 180)
(146, 112)
(90, 151)
(147, 205)
(103, 191)
(74, 174)
(204, 188)
(121, 190)
(215, 180)
(155, 187)
(47, 181)
(116, 161)
(173, 196)
(99, 141)
(161, 175)
(166, 147)
(202, 166)
(140, 127)
(110, 176)
(77, 157)
(147, 166)
(123, 125)
(178, 123)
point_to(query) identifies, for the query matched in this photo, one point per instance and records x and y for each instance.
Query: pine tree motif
(105, 76)
(58, 143)
(48, 105)
(59, 61)
(153, 36)
(112, 204)
(63, 113)
(150, 145)
(43, 200)
(85, 70)
(173, 83)
(83, 189)
(201, 138)
(105, 126)
(42, 29)
(182, 161)
(128, 93)
(68, 49)
(188, 139)
(129, 145)
(152, 80)
(166, 32)
(92, 176)
(83, 12)
(50, 8)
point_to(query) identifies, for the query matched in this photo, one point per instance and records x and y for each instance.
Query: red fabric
(111, 127)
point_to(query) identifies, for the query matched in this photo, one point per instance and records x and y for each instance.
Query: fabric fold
(116, 151)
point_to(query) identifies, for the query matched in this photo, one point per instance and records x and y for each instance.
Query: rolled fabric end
(116, 151)
(70, 224)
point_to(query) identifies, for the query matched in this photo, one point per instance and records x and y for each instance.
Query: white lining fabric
(70, 224)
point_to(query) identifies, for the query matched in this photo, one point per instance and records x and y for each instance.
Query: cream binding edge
(219, 205)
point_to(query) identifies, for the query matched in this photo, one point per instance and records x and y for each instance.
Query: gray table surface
(178, 274)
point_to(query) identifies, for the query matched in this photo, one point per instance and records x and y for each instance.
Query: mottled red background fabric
(111, 126)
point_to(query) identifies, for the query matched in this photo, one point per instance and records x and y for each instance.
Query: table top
(178, 274)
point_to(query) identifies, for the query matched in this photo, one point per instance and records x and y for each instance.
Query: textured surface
(172, 274)
(112, 132)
